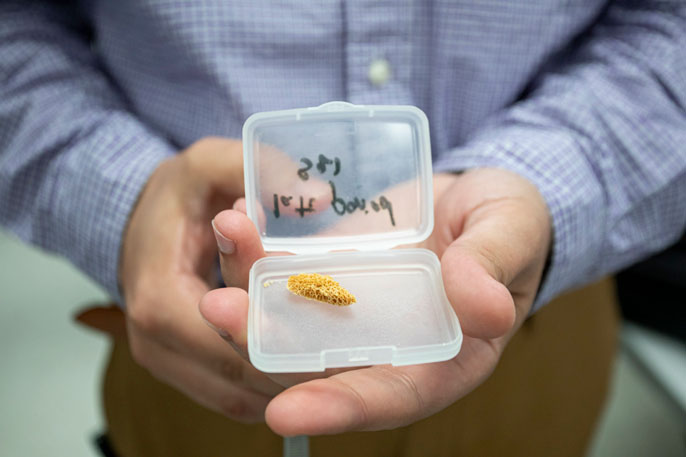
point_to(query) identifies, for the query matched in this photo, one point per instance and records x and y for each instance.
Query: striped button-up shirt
(585, 98)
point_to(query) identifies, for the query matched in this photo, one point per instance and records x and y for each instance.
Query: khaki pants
(543, 399)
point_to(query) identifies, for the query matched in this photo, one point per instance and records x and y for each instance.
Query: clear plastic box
(339, 185)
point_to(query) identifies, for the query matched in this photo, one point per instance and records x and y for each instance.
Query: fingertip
(246, 243)
(498, 314)
(215, 302)
(226, 311)
(240, 205)
(283, 415)
(483, 305)
(234, 224)
(312, 408)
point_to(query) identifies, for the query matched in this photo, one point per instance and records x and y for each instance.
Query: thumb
(492, 270)
(239, 246)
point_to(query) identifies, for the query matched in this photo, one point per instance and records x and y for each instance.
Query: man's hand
(168, 264)
(492, 233)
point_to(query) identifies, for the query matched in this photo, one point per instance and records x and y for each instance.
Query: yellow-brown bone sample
(321, 288)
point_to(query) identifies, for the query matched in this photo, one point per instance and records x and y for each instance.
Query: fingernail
(224, 244)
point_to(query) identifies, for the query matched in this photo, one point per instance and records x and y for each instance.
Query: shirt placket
(378, 51)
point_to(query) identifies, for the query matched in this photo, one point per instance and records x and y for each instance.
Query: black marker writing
(302, 172)
(322, 163)
(302, 210)
(286, 201)
(340, 206)
(385, 204)
(276, 206)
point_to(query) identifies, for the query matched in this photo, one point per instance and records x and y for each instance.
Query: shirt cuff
(96, 190)
(554, 162)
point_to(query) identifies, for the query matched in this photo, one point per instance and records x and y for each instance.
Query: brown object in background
(543, 399)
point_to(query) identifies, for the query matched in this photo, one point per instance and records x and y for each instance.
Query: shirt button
(379, 72)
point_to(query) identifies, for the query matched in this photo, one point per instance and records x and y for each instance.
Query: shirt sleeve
(602, 134)
(73, 159)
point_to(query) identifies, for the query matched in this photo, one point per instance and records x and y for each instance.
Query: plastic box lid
(338, 177)
(354, 178)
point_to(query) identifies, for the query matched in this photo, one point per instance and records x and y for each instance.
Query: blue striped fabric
(584, 98)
